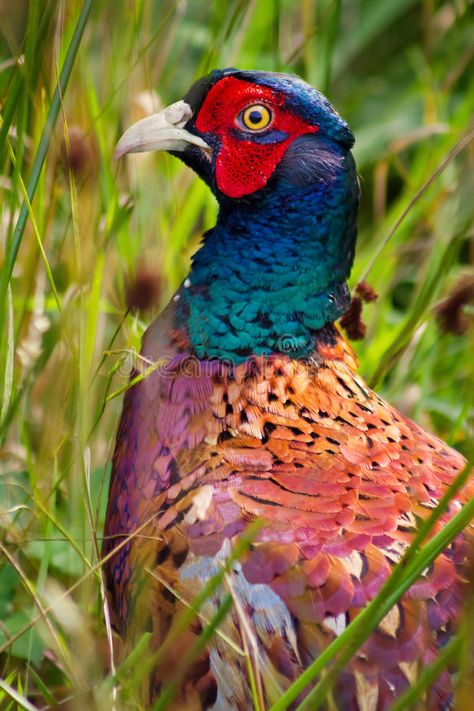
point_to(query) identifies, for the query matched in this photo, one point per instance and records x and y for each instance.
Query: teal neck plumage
(272, 273)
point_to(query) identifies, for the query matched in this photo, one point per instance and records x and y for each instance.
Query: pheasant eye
(256, 117)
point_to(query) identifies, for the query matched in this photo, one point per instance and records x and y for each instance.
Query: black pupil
(255, 116)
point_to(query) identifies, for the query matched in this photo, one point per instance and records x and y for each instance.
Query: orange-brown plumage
(341, 480)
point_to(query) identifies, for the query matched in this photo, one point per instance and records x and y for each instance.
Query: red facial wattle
(244, 165)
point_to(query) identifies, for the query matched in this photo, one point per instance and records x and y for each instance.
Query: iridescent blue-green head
(272, 273)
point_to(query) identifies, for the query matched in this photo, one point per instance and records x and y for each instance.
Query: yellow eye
(256, 117)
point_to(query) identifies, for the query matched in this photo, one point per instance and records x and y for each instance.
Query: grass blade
(53, 113)
(429, 675)
(17, 697)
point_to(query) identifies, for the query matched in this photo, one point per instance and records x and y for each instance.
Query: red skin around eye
(243, 166)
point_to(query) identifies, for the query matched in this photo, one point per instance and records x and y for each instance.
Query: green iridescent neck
(272, 272)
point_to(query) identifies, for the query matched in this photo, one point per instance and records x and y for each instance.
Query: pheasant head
(272, 274)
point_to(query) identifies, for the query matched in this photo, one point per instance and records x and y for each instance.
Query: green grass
(73, 233)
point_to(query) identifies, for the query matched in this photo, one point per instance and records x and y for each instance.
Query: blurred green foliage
(400, 72)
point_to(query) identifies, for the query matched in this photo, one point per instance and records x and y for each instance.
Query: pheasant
(254, 410)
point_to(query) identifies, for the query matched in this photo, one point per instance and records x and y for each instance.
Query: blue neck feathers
(272, 273)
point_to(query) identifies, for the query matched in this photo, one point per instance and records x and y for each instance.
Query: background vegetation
(100, 247)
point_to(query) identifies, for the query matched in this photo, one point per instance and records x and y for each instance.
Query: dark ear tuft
(198, 92)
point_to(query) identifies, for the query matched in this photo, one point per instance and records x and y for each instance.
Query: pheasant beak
(161, 132)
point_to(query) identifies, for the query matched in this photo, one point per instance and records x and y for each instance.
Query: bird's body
(255, 411)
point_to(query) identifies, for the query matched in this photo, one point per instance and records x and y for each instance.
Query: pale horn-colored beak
(161, 132)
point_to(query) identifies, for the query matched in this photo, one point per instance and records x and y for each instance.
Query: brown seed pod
(352, 321)
(78, 154)
(449, 312)
(143, 290)
(366, 292)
